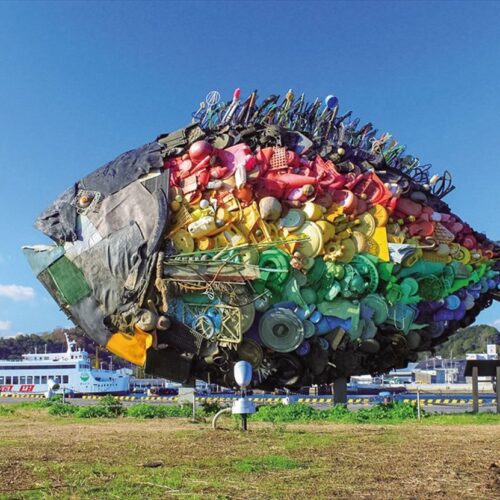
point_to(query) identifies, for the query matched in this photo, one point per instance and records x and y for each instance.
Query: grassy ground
(61, 457)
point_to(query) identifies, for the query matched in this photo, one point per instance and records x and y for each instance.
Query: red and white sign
(26, 388)
(6, 388)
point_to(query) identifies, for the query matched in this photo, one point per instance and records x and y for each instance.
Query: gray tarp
(88, 315)
(132, 203)
(108, 264)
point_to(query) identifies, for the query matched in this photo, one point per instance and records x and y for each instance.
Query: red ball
(200, 150)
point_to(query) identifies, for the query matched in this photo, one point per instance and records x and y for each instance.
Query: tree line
(467, 340)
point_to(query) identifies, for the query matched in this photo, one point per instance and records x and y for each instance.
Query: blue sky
(81, 82)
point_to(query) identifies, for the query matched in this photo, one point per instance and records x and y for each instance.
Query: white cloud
(5, 325)
(17, 292)
(13, 336)
(496, 324)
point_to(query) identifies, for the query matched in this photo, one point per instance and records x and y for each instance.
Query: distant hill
(471, 339)
(54, 341)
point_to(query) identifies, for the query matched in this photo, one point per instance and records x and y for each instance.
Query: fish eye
(84, 200)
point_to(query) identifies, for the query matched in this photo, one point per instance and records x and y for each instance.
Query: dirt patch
(65, 458)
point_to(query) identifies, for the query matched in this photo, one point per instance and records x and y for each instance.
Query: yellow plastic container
(327, 228)
(313, 211)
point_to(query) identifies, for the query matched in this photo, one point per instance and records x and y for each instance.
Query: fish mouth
(58, 220)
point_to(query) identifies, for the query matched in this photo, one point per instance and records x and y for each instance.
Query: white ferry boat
(72, 370)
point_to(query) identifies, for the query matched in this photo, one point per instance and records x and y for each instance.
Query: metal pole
(418, 403)
(244, 422)
(498, 389)
(194, 401)
(340, 391)
(475, 390)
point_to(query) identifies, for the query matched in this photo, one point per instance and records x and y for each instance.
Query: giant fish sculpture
(280, 233)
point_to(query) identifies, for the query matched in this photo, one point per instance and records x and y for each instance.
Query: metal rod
(194, 401)
(418, 403)
(475, 390)
(498, 388)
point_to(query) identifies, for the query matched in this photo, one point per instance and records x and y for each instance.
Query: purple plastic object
(428, 307)
(450, 315)
(468, 301)
(444, 315)
(285, 305)
(253, 332)
(304, 349)
(460, 312)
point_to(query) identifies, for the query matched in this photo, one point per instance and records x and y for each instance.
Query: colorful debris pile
(280, 233)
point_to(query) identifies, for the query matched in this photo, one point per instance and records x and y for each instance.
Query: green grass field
(44, 456)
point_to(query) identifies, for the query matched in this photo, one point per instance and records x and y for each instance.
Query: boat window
(22, 379)
(37, 379)
(65, 379)
(8, 380)
(1, 380)
(29, 379)
(37, 367)
(15, 380)
(44, 379)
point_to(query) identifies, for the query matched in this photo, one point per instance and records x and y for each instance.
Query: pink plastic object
(408, 207)
(269, 187)
(230, 157)
(345, 199)
(361, 205)
(296, 194)
(185, 167)
(264, 156)
(291, 180)
(218, 172)
(292, 159)
(328, 175)
(469, 242)
(369, 187)
(203, 178)
(421, 228)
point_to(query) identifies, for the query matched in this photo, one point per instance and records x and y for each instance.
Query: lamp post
(243, 406)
